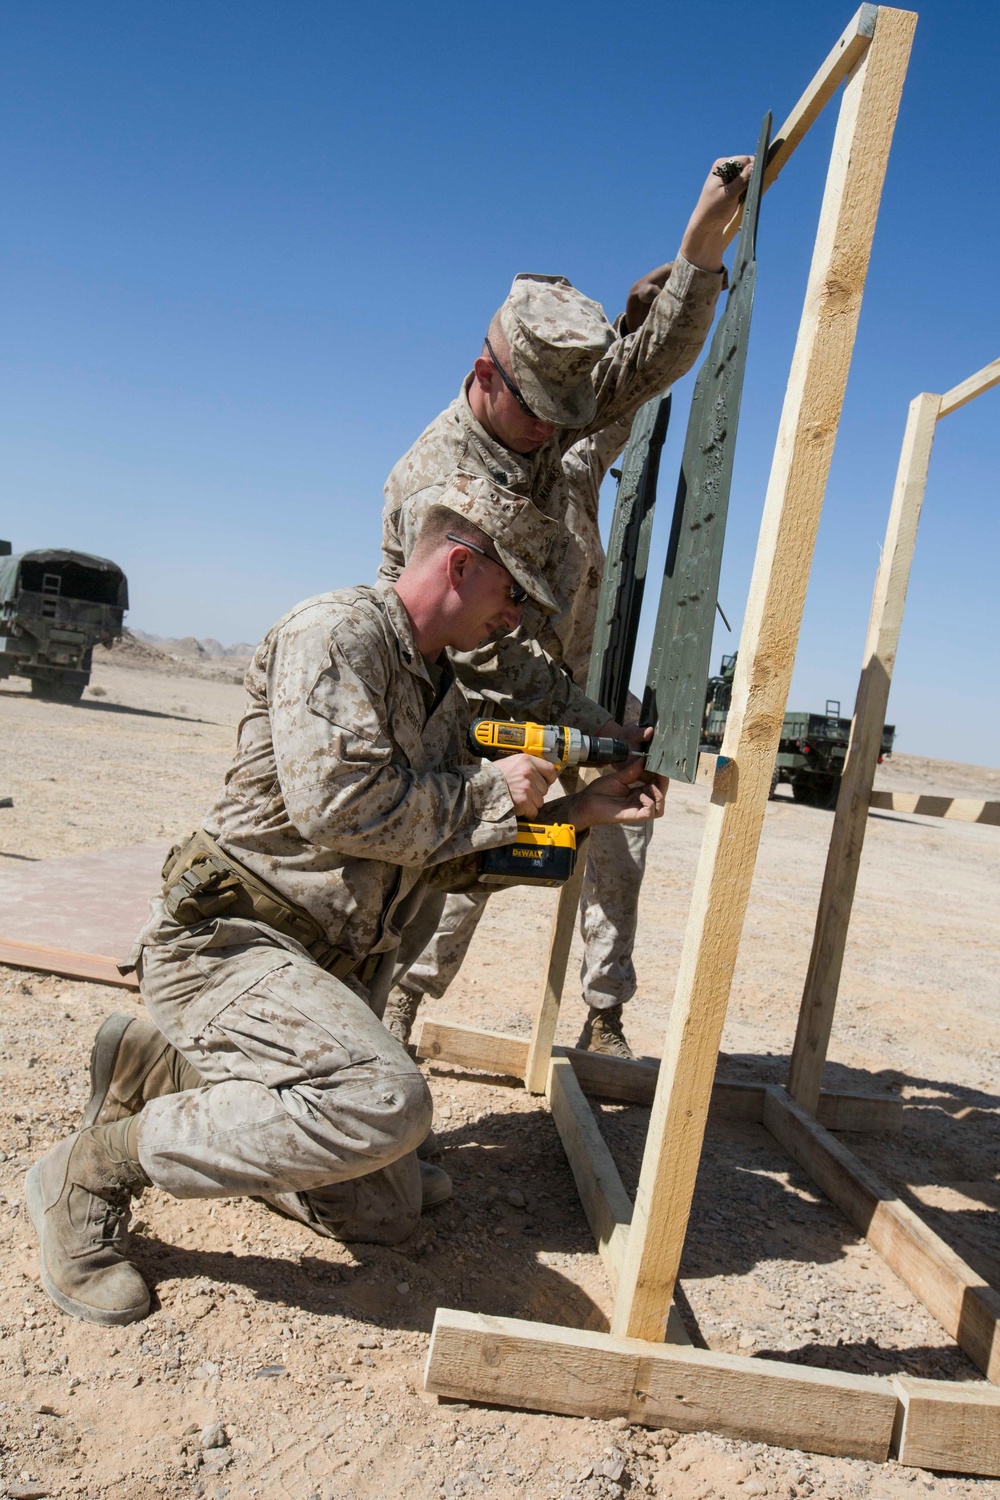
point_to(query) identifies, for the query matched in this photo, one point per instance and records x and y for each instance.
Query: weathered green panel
(682, 641)
(628, 557)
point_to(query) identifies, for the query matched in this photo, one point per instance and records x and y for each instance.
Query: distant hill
(178, 658)
(200, 650)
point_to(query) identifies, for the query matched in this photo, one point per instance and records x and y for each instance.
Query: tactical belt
(200, 882)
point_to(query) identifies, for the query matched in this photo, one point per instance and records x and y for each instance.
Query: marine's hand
(643, 293)
(528, 779)
(629, 794)
(702, 243)
(636, 736)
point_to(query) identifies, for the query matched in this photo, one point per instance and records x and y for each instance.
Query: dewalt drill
(543, 853)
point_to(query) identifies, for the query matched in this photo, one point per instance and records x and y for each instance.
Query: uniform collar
(515, 471)
(402, 627)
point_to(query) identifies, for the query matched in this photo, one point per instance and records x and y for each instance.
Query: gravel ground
(277, 1364)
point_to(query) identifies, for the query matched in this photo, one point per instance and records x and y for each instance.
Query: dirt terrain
(276, 1364)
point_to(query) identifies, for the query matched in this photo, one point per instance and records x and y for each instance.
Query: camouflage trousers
(435, 943)
(305, 1093)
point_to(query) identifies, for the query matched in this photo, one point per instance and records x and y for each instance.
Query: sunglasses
(509, 383)
(517, 594)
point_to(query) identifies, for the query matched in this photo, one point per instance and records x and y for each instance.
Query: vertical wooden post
(803, 451)
(536, 1071)
(847, 839)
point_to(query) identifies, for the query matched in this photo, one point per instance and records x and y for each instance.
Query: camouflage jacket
(516, 677)
(348, 778)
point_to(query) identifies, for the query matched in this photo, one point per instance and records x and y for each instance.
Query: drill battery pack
(543, 854)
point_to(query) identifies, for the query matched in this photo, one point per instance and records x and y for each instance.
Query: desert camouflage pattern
(578, 556)
(513, 677)
(437, 939)
(306, 1101)
(522, 536)
(555, 335)
(351, 771)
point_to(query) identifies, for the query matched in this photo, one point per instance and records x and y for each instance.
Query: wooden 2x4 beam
(583, 1374)
(91, 966)
(963, 1303)
(846, 53)
(954, 1427)
(605, 1200)
(635, 1082)
(968, 390)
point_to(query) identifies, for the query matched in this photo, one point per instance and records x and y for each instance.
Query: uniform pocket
(289, 1024)
(230, 980)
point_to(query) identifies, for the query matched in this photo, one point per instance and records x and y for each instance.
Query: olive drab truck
(812, 747)
(55, 607)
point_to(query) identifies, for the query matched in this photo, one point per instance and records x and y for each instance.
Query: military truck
(812, 747)
(55, 607)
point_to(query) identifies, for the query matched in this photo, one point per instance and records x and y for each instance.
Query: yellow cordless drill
(556, 743)
(543, 853)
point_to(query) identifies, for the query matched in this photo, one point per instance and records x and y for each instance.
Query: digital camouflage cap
(522, 537)
(556, 335)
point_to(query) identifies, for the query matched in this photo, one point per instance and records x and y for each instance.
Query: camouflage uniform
(436, 941)
(347, 782)
(563, 477)
(512, 675)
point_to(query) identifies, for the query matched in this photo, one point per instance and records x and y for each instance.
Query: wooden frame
(636, 1370)
(843, 860)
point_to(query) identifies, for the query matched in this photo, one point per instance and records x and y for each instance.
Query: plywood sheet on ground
(87, 903)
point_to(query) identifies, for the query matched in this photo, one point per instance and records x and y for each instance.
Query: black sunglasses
(516, 592)
(509, 383)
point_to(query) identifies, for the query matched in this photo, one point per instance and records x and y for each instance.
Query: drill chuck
(602, 751)
(556, 743)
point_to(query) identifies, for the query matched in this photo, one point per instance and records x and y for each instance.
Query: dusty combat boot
(78, 1198)
(435, 1185)
(132, 1062)
(400, 1013)
(435, 1188)
(602, 1032)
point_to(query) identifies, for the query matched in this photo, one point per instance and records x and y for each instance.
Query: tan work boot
(400, 1013)
(435, 1185)
(78, 1198)
(602, 1032)
(132, 1062)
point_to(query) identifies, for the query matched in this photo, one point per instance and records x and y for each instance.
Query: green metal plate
(628, 557)
(678, 671)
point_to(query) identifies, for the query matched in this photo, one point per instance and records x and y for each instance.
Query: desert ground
(276, 1364)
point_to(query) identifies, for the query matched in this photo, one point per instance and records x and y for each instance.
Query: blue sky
(251, 248)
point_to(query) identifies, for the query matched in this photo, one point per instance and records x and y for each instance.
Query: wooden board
(543, 1368)
(536, 1069)
(844, 55)
(493, 1052)
(955, 809)
(635, 1082)
(983, 380)
(605, 1202)
(63, 961)
(940, 1425)
(89, 904)
(807, 431)
(965, 1306)
(847, 837)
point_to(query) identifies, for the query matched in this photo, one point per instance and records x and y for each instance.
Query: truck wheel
(56, 692)
(774, 785)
